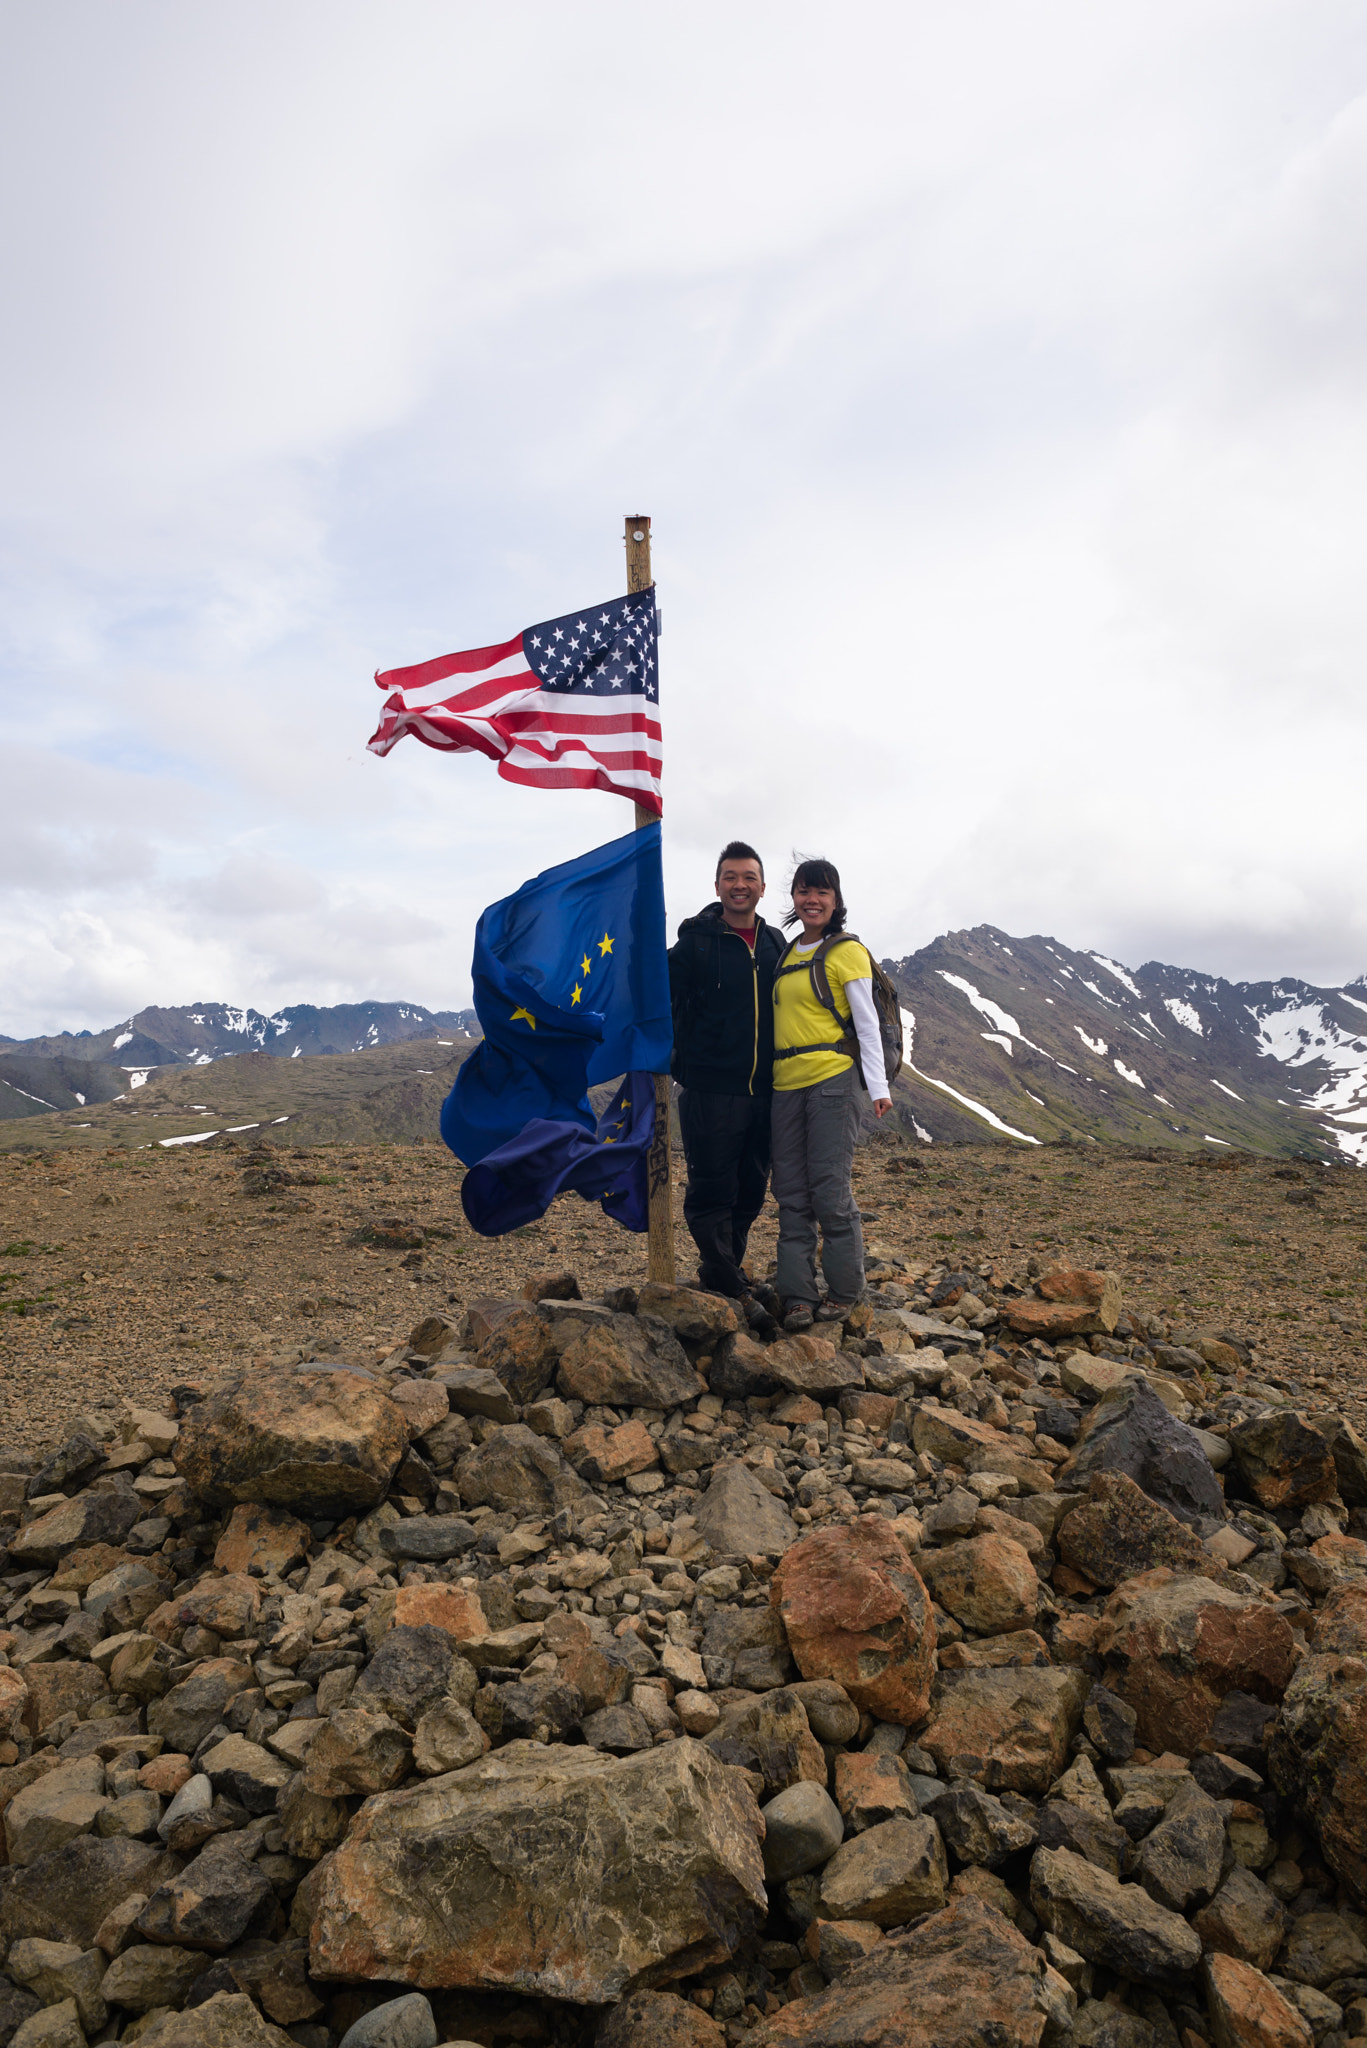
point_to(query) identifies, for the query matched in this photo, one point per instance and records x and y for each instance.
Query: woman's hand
(882, 1106)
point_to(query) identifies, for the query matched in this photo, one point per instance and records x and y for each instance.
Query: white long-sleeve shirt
(870, 1038)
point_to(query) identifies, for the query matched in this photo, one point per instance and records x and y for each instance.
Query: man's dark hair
(736, 849)
(819, 874)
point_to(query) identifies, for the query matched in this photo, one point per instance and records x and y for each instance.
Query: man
(721, 981)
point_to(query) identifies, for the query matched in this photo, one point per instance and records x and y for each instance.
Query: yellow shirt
(799, 1019)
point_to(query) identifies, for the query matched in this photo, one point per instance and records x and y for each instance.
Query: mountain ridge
(1044, 1042)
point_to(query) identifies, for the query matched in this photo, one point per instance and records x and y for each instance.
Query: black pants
(726, 1146)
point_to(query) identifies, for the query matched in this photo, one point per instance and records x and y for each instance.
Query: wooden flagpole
(660, 1244)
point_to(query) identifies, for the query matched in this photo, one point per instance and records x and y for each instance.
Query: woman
(818, 1086)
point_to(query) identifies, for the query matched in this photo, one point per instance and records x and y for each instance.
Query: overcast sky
(993, 374)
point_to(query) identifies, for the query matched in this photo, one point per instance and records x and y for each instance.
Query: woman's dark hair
(819, 874)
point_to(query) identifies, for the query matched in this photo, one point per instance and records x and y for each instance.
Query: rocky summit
(988, 1669)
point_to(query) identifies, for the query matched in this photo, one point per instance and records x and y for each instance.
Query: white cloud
(993, 377)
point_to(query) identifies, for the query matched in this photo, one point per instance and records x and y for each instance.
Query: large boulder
(1130, 1431)
(1120, 1532)
(1174, 1646)
(556, 1871)
(1114, 1924)
(1007, 1729)
(740, 1518)
(317, 1441)
(1318, 1757)
(66, 1895)
(961, 1978)
(628, 1362)
(516, 1468)
(855, 1611)
(1284, 1461)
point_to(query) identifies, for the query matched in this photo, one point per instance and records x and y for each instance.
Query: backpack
(886, 1003)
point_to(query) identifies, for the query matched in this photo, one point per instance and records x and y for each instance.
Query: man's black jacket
(723, 1001)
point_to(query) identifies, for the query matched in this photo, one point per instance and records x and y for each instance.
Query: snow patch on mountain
(1184, 1013)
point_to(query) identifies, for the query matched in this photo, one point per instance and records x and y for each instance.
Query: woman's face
(815, 907)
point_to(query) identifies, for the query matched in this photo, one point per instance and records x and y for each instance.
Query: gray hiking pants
(813, 1132)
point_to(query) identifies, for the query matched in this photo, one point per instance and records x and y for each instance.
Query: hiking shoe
(758, 1317)
(797, 1315)
(767, 1298)
(834, 1311)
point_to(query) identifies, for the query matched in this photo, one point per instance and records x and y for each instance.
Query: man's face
(740, 886)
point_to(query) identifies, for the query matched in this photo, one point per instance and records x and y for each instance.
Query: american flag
(570, 704)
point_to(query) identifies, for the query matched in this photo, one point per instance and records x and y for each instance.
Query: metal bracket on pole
(660, 1244)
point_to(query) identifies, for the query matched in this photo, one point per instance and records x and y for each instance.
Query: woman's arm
(860, 994)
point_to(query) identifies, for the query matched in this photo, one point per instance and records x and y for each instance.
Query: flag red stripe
(443, 665)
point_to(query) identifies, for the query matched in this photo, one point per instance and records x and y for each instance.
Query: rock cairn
(986, 1670)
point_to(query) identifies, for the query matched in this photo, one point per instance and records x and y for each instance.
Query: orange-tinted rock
(953, 1438)
(1248, 2012)
(551, 1870)
(517, 1347)
(1018, 1649)
(1341, 1624)
(269, 1538)
(1286, 1462)
(1319, 1756)
(229, 1606)
(961, 1978)
(1073, 1302)
(855, 1610)
(1075, 1638)
(165, 1774)
(870, 1788)
(1174, 1646)
(696, 1317)
(626, 1363)
(58, 1689)
(658, 2019)
(321, 1442)
(452, 1608)
(1120, 1531)
(423, 1404)
(987, 1583)
(606, 1456)
(1009, 1730)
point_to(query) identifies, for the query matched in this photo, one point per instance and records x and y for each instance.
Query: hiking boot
(834, 1311)
(758, 1317)
(797, 1316)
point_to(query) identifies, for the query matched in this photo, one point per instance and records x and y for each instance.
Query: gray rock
(1060, 1824)
(888, 1874)
(55, 1808)
(473, 1391)
(553, 1870)
(194, 1798)
(56, 1970)
(976, 1826)
(432, 1539)
(1116, 1925)
(803, 1830)
(1130, 1431)
(144, 1976)
(1179, 1863)
(216, 1901)
(56, 2026)
(515, 1468)
(104, 1517)
(402, 2023)
(741, 1518)
(748, 1649)
(184, 1715)
(227, 2020)
(634, 1362)
(412, 1671)
(246, 1772)
(67, 1895)
(448, 1737)
(620, 1730)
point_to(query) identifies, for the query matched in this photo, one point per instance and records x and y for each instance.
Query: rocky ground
(523, 1654)
(122, 1272)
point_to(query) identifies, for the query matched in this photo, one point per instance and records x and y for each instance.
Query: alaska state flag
(571, 988)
